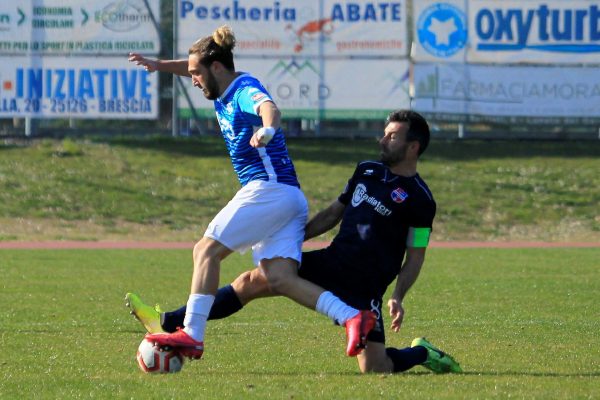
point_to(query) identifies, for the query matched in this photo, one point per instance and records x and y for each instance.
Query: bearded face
(393, 145)
(210, 88)
(203, 78)
(391, 156)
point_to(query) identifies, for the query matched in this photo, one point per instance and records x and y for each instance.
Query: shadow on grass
(350, 151)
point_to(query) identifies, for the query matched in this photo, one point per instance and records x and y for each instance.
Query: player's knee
(374, 367)
(251, 285)
(207, 248)
(248, 280)
(374, 360)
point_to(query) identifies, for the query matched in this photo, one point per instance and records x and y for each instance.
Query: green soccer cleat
(437, 361)
(148, 316)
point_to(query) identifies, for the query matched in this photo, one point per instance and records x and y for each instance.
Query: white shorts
(268, 216)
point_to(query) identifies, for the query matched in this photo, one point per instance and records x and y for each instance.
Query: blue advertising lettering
(71, 91)
(358, 12)
(236, 12)
(558, 30)
(81, 83)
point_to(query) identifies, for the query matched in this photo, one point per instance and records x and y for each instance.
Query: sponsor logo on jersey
(258, 96)
(399, 195)
(360, 194)
(368, 172)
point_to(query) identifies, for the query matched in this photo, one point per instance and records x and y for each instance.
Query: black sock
(226, 303)
(172, 320)
(407, 358)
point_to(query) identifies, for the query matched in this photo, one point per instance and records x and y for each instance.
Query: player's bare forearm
(415, 256)
(177, 67)
(270, 114)
(406, 278)
(324, 220)
(271, 117)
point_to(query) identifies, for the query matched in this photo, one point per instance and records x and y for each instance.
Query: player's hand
(148, 64)
(262, 137)
(397, 313)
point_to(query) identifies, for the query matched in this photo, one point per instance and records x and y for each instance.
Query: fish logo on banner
(442, 30)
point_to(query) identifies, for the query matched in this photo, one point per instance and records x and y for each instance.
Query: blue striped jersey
(237, 114)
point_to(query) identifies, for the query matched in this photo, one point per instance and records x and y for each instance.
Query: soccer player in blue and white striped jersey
(269, 212)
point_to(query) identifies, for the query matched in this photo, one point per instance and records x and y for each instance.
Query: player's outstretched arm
(177, 67)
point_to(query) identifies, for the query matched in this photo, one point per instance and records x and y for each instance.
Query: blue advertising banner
(76, 87)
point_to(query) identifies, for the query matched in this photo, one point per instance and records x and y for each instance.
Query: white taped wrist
(265, 134)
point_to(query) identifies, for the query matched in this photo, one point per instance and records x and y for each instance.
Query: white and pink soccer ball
(152, 359)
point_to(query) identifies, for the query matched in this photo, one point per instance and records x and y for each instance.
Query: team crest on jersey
(399, 195)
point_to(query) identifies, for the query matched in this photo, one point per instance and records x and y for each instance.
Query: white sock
(196, 314)
(330, 305)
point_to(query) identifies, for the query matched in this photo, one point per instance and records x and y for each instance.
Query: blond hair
(217, 47)
(224, 37)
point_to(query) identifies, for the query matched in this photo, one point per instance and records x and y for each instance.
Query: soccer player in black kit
(385, 213)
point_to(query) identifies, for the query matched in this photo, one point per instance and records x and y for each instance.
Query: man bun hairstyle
(418, 129)
(216, 47)
(224, 37)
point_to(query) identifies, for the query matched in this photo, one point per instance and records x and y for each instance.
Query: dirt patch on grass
(54, 230)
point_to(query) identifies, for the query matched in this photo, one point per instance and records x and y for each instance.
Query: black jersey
(382, 210)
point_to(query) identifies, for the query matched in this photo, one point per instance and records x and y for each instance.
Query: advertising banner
(510, 31)
(336, 89)
(440, 30)
(78, 27)
(299, 28)
(76, 87)
(527, 91)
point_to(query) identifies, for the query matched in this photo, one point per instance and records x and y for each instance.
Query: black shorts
(322, 268)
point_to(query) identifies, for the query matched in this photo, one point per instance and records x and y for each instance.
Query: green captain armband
(418, 237)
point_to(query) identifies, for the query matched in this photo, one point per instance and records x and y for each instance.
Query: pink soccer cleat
(179, 340)
(357, 329)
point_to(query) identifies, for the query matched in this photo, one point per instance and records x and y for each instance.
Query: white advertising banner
(78, 27)
(76, 87)
(507, 91)
(302, 28)
(336, 89)
(509, 31)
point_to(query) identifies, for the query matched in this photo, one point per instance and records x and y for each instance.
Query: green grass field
(523, 323)
(169, 189)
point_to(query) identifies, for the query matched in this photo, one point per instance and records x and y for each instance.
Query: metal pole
(174, 103)
(321, 101)
(461, 130)
(28, 126)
